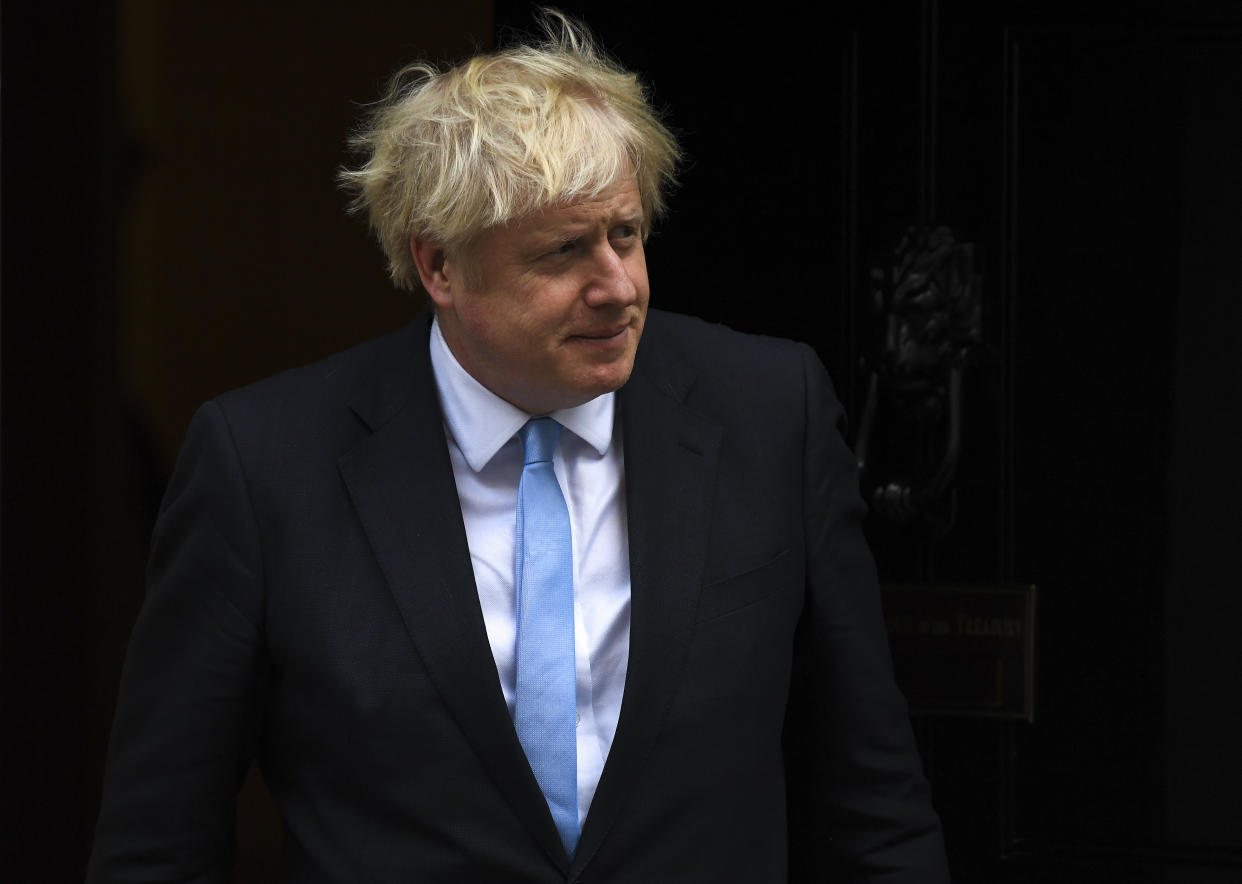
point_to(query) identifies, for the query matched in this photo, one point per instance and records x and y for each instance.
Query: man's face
(549, 311)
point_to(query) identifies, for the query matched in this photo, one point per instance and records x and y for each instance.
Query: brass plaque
(964, 651)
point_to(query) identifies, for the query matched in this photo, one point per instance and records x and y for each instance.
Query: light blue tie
(545, 711)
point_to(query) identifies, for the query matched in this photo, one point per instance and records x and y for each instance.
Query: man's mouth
(603, 334)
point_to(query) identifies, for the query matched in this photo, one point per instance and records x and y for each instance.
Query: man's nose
(610, 281)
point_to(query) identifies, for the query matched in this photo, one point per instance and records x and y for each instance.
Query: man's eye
(625, 231)
(565, 248)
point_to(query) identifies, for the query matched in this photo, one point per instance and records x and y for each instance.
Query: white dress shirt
(487, 463)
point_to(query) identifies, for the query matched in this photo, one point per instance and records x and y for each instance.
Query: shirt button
(577, 719)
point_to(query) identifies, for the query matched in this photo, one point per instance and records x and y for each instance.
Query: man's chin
(613, 377)
(596, 385)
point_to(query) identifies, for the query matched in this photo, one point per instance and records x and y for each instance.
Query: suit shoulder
(720, 371)
(325, 383)
(718, 348)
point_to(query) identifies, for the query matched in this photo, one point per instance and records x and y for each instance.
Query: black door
(1086, 160)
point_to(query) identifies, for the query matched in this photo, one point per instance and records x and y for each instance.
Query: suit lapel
(670, 468)
(401, 482)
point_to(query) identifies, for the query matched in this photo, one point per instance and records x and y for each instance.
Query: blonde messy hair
(451, 153)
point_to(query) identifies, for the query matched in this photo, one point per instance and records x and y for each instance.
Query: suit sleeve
(857, 796)
(188, 713)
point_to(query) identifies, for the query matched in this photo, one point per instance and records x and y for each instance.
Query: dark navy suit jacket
(311, 603)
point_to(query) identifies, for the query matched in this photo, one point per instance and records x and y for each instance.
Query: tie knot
(539, 438)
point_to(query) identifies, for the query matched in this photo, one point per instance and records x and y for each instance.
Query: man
(637, 642)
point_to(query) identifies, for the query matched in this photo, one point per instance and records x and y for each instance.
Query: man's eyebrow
(558, 232)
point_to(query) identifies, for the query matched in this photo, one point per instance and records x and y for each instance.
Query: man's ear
(430, 260)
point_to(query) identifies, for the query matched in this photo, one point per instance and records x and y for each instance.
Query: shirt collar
(480, 422)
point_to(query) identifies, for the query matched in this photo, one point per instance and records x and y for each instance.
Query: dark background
(171, 229)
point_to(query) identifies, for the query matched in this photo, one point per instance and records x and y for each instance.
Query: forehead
(618, 203)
